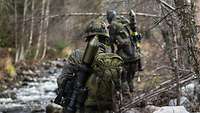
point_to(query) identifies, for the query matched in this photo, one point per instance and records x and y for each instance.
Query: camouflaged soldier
(103, 82)
(121, 35)
(135, 38)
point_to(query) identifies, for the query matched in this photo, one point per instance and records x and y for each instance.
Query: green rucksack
(105, 80)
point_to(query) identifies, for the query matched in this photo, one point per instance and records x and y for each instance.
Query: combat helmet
(97, 27)
(110, 15)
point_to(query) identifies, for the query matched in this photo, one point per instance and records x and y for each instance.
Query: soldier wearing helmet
(94, 28)
(135, 38)
(75, 93)
(120, 31)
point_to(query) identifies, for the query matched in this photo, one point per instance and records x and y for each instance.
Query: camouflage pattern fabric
(105, 80)
(102, 83)
(120, 36)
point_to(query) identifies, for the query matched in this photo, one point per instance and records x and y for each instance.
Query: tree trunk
(186, 15)
(41, 30)
(176, 66)
(16, 35)
(198, 19)
(46, 28)
(32, 26)
(23, 36)
(198, 12)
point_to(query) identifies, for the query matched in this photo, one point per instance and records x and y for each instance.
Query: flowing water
(32, 97)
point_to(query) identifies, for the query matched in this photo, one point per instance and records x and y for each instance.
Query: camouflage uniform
(135, 38)
(94, 103)
(120, 33)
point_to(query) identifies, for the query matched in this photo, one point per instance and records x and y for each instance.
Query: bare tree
(23, 34)
(41, 30)
(46, 24)
(186, 15)
(15, 33)
(32, 26)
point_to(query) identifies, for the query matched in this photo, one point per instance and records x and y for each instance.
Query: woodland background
(32, 31)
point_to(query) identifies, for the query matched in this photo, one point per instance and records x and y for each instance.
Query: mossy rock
(7, 69)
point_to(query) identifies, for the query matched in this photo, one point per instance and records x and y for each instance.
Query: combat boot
(140, 65)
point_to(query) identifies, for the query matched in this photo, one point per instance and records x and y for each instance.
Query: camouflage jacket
(72, 66)
(120, 34)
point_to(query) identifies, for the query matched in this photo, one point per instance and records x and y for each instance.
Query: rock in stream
(33, 96)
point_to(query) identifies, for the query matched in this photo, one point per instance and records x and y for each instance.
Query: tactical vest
(120, 34)
(104, 81)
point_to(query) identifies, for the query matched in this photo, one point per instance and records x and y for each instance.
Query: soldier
(89, 80)
(122, 36)
(135, 38)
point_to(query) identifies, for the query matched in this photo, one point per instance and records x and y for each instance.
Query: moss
(10, 69)
(7, 69)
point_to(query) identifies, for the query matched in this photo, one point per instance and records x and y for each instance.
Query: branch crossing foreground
(152, 94)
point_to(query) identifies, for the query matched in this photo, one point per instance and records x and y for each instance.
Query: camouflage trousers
(128, 73)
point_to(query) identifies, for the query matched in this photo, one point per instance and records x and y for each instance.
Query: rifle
(79, 93)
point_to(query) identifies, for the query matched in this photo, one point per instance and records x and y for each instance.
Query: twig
(171, 68)
(101, 14)
(168, 85)
(166, 4)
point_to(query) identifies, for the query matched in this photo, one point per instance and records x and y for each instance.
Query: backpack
(104, 81)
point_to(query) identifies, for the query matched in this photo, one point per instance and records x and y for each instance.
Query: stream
(33, 96)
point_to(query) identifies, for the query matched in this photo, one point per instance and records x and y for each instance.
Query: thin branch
(163, 18)
(163, 87)
(166, 4)
(90, 14)
(170, 68)
(102, 14)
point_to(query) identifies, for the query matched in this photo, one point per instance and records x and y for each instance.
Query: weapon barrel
(80, 92)
(91, 51)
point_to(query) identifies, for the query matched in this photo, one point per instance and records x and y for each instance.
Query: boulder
(184, 101)
(188, 90)
(60, 65)
(132, 110)
(171, 109)
(54, 108)
(151, 108)
(52, 70)
(8, 94)
(29, 73)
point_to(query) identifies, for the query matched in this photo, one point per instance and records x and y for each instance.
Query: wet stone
(53, 108)
(184, 101)
(29, 73)
(28, 79)
(24, 84)
(60, 65)
(8, 94)
(172, 109)
(12, 108)
(132, 110)
(38, 110)
(52, 70)
(151, 108)
(35, 93)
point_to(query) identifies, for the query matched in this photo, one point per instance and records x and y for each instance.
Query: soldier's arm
(66, 76)
(67, 73)
(119, 34)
